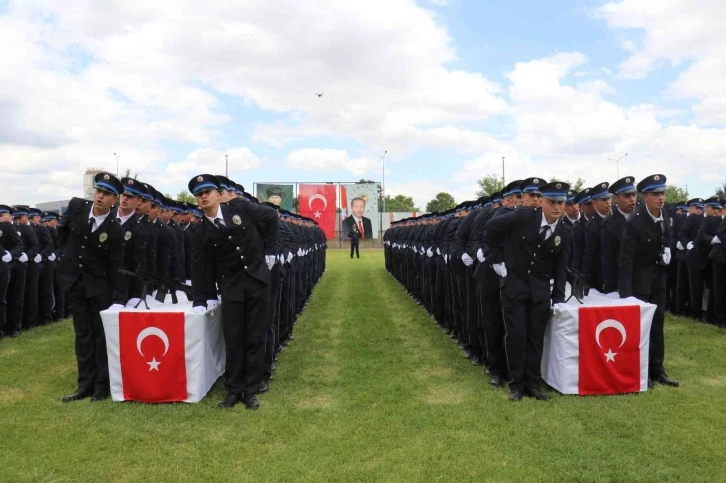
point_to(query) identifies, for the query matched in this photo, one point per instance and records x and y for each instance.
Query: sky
(445, 88)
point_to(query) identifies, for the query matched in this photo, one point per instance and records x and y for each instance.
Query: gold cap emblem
(558, 186)
(131, 181)
(535, 181)
(603, 185)
(628, 180)
(656, 177)
(106, 176)
(200, 178)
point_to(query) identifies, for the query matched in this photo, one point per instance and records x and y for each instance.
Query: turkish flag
(152, 356)
(317, 202)
(610, 345)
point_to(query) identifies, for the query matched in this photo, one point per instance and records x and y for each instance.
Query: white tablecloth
(203, 345)
(560, 356)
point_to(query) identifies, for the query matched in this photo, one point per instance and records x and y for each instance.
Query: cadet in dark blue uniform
(686, 238)
(612, 230)
(93, 251)
(699, 257)
(11, 248)
(50, 219)
(527, 248)
(584, 202)
(134, 238)
(644, 256)
(592, 263)
(40, 312)
(24, 275)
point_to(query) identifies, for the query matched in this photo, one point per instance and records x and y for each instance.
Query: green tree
(127, 174)
(489, 184)
(398, 203)
(443, 201)
(674, 194)
(721, 190)
(185, 195)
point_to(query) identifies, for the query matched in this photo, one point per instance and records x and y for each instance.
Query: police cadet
(644, 256)
(134, 238)
(612, 230)
(233, 248)
(185, 220)
(677, 302)
(39, 310)
(572, 212)
(145, 214)
(50, 218)
(168, 232)
(354, 236)
(165, 238)
(686, 238)
(584, 202)
(531, 194)
(698, 257)
(17, 296)
(528, 248)
(176, 211)
(11, 248)
(718, 256)
(93, 251)
(592, 261)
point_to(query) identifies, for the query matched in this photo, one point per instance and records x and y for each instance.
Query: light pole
(117, 156)
(617, 164)
(503, 172)
(226, 166)
(383, 194)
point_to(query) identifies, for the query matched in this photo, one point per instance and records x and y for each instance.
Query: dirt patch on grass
(319, 401)
(449, 394)
(435, 372)
(11, 395)
(714, 381)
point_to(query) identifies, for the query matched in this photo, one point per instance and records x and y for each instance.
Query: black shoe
(663, 379)
(250, 401)
(516, 395)
(81, 393)
(14, 334)
(100, 395)
(230, 401)
(650, 383)
(475, 361)
(537, 394)
(496, 381)
(264, 387)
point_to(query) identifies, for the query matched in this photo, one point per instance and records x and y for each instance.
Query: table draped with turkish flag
(165, 354)
(318, 202)
(599, 347)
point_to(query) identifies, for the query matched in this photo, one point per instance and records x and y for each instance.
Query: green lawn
(370, 390)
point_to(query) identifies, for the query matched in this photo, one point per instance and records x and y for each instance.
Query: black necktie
(90, 223)
(218, 224)
(662, 226)
(543, 233)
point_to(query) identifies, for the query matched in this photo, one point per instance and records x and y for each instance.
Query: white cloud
(210, 161)
(313, 159)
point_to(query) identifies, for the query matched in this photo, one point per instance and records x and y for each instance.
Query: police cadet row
(261, 261)
(484, 270)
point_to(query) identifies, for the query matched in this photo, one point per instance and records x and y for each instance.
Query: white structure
(88, 181)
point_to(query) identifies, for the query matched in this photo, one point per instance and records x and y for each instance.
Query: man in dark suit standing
(528, 248)
(644, 257)
(233, 248)
(11, 248)
(93, 251)
(592, 263)
(686, 240)
(364, 225)
(354, 236)
(612, 229)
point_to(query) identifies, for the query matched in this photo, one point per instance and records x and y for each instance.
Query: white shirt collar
(626, 215)
(579, 215)
(552, 225)
(218, 217)
(124, 219)
(601, 215)
(99, 219)
(660, 216)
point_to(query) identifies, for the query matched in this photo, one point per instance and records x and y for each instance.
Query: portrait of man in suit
(364, 225)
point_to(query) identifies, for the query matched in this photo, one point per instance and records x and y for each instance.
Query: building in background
(88, 176)
(57, 206)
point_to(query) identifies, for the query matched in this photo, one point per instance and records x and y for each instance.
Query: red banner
(153, 366)
(609, 350)
(317, 202)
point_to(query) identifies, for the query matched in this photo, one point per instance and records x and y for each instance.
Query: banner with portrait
(277, 194)
(359, 209)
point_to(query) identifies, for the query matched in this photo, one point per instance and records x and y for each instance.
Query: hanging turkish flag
(152, 356)
(610, 350)
(317, 202)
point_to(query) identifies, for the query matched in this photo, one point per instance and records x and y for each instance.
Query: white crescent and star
(317, 196)
(610, 324)
(149, 331)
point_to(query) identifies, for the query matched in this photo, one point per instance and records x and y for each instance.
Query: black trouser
(683, 291)
(525, 321)
(59, 297)
(271, 341)
(286, 306)
(354, 246)
(657, 338)
(91, 355)
(492, 323)
(696, 283)
(16, 296)
(4, 283)
(719, 296)
(245, 324)
(45, 292)
(30, 305)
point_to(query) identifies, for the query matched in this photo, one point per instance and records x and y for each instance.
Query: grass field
(370, 390)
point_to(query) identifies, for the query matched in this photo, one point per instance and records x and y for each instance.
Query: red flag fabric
(152, 356)
(317, 202)
(609, 350)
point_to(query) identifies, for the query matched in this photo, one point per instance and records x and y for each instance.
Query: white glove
(679, 246)
(715, 240)
(51, 257)
(667, 256)
(438, 251)
(299, 252)
(446, 259)
(116, 307)
(23, 257)
(198, 309)
(430, 253)
(270, 259)
(500, 269)
(612, 295)
(480, 255)
(37, 258)
(690, 246)
(188, 282)
(421, 251)
(212, 303)
(281, 259)
(468, 261)
(7, 257)
(132, 303)
(289, 256)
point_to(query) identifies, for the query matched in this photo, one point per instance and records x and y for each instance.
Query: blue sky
(446, 87)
